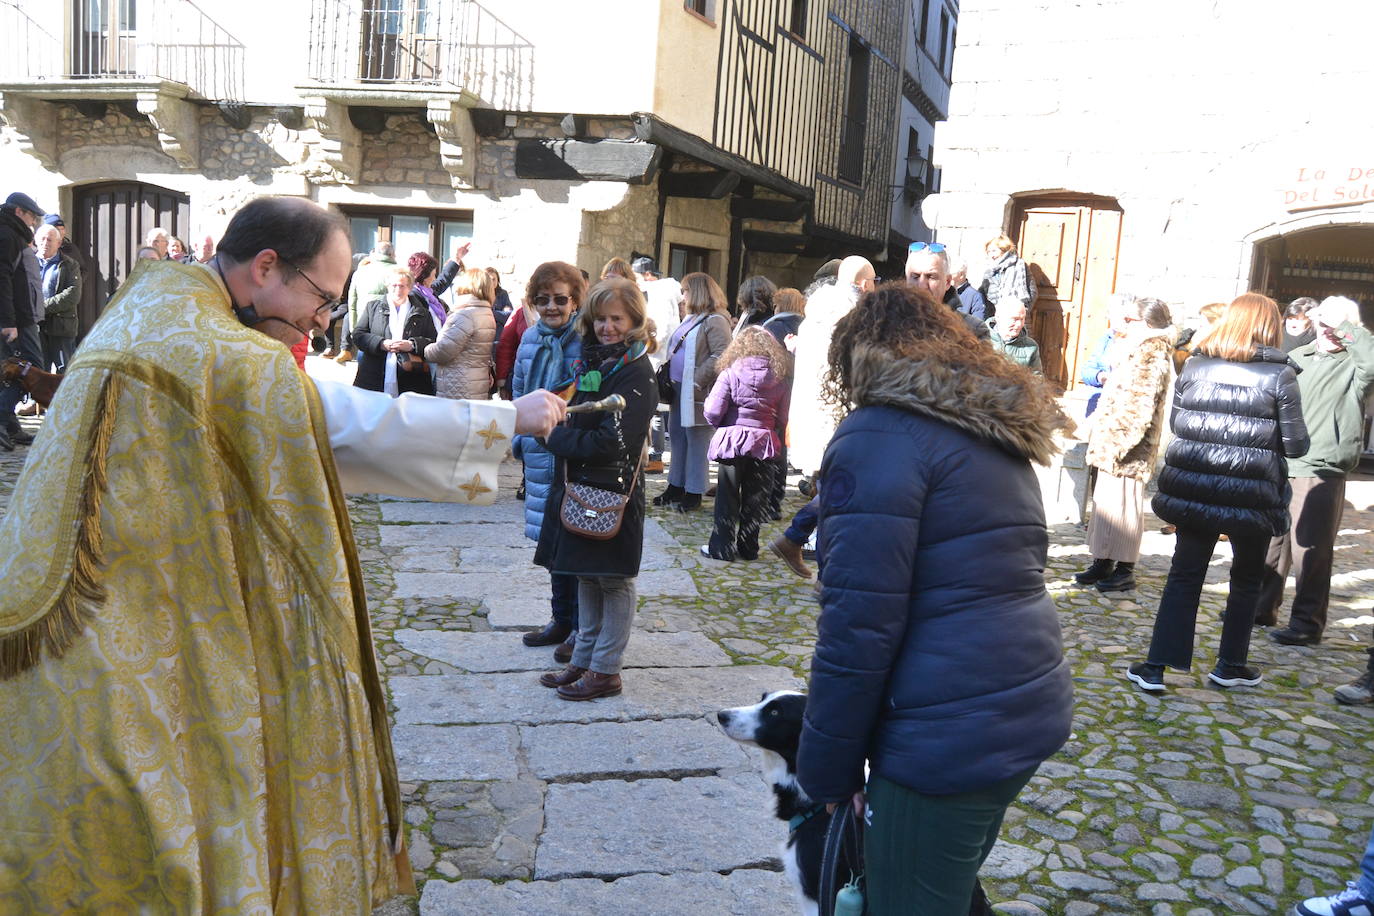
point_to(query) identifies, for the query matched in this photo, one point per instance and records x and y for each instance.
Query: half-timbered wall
(781, 100)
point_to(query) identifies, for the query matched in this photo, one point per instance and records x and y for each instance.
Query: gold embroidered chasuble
(213, 737)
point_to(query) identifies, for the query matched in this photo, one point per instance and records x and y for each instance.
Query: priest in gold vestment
(193, 720)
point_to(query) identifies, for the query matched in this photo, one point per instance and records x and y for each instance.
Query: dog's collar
(798, 819)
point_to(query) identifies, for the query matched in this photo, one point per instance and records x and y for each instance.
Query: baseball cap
(20, 200)
(53, 219)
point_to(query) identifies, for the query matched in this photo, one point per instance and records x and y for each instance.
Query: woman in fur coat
(1124, 443)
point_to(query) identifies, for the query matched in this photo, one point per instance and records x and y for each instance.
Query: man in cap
(19, 216)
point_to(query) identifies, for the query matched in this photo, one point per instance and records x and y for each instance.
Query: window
(855, 121)
(104, 37)
(933, 175)
(923, 27)
(944, 41)
(686, 259)
(408, 231)
(706, 9)
(797, 21)
(400, 41)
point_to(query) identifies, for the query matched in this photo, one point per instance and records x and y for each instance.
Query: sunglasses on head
(932, 247)
(542, 300)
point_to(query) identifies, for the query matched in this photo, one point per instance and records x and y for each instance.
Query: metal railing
(121, 39)
(456, 43)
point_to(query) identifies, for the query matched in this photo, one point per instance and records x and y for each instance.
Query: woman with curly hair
(942, 673)
(747, 406)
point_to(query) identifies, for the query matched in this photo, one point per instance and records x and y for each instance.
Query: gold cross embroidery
(474, 487)
(491, 435)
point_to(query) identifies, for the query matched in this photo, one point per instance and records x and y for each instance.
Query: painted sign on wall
(1311, 187)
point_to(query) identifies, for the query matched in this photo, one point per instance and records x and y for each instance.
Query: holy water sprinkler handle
(612, 403)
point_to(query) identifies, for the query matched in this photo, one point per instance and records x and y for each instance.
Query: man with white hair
(813, 421)
(971, 301)
(158, 239)
(1336, 380)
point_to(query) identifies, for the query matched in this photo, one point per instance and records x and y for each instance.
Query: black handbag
(664, 376)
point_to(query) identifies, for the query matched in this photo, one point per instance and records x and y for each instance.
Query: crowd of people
(913, 411)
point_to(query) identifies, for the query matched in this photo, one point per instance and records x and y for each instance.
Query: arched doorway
(109, 222)
(1319, 261)
(1070, 242)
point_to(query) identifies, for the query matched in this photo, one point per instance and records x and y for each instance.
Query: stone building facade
(1183, 150)
(730, 136)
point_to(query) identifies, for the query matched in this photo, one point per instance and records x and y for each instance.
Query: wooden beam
(775, 242)
(778, 211)
(712, 185)
(587, 160)
(651, 129)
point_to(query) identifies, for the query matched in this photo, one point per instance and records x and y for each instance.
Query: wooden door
(108, 224)
(1071, 248)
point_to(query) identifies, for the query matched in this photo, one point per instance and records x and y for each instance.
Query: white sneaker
(1349, 902)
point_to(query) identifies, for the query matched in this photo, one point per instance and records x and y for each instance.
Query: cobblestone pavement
(1201, 801)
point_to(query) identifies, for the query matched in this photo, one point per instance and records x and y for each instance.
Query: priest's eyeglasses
(542, 300)
(331, 301)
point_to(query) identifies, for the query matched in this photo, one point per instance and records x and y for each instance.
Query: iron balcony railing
(448, 43)
(120, 39)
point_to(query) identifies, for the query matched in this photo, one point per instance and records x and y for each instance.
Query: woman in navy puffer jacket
(545, 359)
(1237, 413)
(939, 660)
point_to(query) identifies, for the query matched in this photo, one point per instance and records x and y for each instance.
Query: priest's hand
(537, 413)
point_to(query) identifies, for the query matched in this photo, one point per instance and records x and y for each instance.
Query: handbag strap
(634, 480)
(683, 339)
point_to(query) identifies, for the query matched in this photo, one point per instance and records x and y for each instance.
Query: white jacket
(813, 422)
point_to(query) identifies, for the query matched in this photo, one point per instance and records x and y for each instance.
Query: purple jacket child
(747, 405)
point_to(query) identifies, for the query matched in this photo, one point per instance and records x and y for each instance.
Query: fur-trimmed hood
(1016, 412)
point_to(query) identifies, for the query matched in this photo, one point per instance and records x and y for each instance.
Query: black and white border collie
(774, 725)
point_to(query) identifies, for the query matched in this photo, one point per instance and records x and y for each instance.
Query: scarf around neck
(548, 367)
(600, 361)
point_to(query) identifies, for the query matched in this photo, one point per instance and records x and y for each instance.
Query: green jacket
(60, 308)
(1021, 349)
(1334, 387)
(369, 282)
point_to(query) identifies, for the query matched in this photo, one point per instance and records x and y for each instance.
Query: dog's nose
(723, 717)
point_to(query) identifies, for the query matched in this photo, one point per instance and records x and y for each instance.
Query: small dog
(40, 385)
(774, 725)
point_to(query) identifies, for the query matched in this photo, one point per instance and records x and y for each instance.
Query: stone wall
(406, 153)
(620, 230)
(254, 153)
(116, 128)
(1054, 95)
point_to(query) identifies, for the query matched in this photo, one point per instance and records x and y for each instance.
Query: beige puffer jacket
(463, 353)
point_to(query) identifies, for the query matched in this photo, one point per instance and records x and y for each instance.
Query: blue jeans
(804, 522)
(1366, 882)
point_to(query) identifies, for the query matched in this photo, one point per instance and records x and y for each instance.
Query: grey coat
(462, 353)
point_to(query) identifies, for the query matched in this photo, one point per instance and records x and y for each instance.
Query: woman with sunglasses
(548, 350)
(391, 335)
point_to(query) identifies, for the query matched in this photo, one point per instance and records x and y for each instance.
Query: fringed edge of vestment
(58, 629)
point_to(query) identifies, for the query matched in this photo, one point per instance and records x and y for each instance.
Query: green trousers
(922, 852)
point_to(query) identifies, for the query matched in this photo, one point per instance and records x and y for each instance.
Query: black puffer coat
(1233, 423)
(603, 450)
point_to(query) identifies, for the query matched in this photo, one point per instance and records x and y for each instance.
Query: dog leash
(843, 838)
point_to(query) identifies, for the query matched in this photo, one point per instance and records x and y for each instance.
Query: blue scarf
(548, 367)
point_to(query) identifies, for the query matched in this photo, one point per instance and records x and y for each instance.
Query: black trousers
(1176, 620)
(744, 488)
(1310, 545)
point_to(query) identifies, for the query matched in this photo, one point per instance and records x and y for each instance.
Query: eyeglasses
(542, 300)
(331, 301)
(932, 247)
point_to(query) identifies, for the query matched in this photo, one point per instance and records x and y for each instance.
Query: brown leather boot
(791, 554)
(591, 687)
(568, 675)
(563, 653)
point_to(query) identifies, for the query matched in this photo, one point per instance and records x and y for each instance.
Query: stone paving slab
(479, 752)
(702, 823)
(487, 585)
(601, 749)
(500, 651)
(747, 892)
(650, 693)
(457, 535)
(502, 511)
